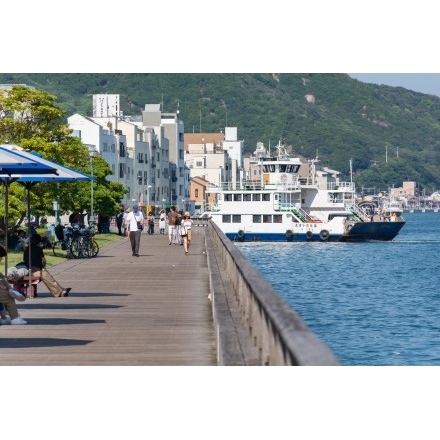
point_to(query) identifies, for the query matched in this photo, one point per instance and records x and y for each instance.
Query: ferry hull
(373, 231)
(362, 231)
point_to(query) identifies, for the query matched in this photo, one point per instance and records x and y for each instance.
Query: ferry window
(278, 218)
(247, 197)
(228, 197)
(226, 218)
(266, 197)
(256, 197)
(236, 218)
(256, 218)
(237, 197)
(267, 219)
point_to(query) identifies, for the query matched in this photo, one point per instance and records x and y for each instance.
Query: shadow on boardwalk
(123, 310)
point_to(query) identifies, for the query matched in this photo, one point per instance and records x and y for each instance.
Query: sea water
(374, 303)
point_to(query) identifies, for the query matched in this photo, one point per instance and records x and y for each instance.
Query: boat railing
(254, 185)
(359, 213)
(341, 186)
(298, 212)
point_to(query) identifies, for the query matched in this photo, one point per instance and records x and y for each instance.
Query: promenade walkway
(123, 310)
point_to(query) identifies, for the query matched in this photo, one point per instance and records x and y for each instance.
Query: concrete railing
(277, 333)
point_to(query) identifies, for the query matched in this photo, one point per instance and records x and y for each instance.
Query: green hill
(390, 133)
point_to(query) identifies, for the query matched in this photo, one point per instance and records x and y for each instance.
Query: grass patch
(52, 260)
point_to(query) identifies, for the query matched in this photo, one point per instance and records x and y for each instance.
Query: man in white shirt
(133, 224)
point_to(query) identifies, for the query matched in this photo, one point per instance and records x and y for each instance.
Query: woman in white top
(162, 222)
(187, 224)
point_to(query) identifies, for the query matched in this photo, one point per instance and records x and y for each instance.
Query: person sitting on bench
(38, 261)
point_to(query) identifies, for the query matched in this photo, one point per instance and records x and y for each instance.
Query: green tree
(31, 119)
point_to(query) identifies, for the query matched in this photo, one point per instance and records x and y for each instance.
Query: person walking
(162, 221)
(38, 262)
(7, 300)
(186, 226)
(150, 220)
(172, 219)
(120, 220)
(133, 225)
(177, 237)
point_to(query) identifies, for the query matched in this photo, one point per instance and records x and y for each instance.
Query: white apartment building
(171, 184)
(145, 156)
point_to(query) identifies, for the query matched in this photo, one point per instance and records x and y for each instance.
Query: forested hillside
(391, 134)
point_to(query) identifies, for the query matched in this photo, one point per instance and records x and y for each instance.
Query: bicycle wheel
(92, 248)
(75, 247)
(60, 249)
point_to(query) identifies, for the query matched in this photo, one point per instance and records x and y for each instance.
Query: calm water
(371, 303)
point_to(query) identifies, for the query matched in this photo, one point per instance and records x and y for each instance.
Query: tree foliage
(332, 115)
(32, 119)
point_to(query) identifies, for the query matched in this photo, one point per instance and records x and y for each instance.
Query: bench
(27, 287)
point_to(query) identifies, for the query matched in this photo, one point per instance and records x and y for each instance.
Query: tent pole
(6, 185)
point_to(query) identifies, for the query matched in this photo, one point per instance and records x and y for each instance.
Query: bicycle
(65, 245)
(75, 242)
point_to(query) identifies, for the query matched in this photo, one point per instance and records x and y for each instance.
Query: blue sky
(419, 82)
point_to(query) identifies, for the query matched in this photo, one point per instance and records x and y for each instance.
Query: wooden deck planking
(123, 310)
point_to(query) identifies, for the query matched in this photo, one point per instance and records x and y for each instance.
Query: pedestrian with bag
(133, 226)
(186, 231)
(172, 219)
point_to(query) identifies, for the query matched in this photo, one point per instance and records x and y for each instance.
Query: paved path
(123, 310)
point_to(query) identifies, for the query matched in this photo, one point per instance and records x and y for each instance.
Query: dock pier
(162, 308)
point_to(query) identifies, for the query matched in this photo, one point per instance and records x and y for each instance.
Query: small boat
(392, 207)
(283, 204)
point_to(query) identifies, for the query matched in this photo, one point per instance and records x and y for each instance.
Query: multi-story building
(146, 154)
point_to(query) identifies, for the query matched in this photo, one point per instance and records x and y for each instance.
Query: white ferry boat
(282, 206)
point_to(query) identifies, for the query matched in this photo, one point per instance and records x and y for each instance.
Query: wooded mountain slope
(390, 133)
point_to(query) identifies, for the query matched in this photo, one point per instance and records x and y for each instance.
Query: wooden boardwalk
(123, 310)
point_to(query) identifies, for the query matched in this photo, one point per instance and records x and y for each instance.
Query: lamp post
(92, 154)
(148, 196)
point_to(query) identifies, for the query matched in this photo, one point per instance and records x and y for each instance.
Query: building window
(196, 192)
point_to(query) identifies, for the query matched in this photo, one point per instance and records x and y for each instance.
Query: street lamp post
(148, 196)
(92, 153)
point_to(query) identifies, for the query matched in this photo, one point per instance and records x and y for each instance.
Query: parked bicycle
(75, 242)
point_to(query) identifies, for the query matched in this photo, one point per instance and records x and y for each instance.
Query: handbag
(140, 226)
(182, 231)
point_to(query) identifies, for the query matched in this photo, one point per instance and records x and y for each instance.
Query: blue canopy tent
(50, 171)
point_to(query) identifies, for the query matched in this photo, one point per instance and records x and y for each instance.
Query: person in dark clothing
(120, 220)
(38, 262)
